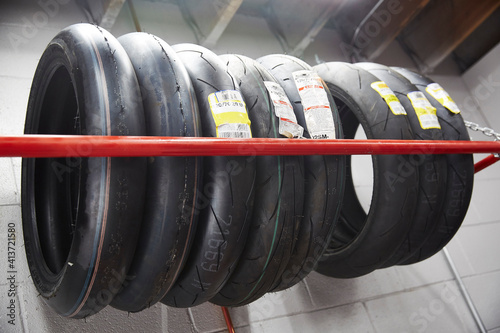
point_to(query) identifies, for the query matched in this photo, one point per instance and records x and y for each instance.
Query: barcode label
(426, 113)
(388, 95)
(230, 114)
(397, 108)
(227, 95)
(234, 131)
(227, 101)
(428, 121)
(438, 93)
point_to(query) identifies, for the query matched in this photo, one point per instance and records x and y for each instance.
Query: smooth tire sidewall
(97, 260)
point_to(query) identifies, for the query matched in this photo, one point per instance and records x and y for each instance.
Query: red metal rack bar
(486, 162)
(115, 146)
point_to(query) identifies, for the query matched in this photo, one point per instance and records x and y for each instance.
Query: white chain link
(489, 132)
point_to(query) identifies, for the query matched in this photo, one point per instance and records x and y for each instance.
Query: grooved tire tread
(226, 199)
(362, 242)
(460, 177)
(432, 169)
(278, 198)
(324, 181)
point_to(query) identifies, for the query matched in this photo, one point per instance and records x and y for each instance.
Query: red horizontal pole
(116, 146)
(485, 162)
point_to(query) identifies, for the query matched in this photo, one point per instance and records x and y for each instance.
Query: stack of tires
(131, 232)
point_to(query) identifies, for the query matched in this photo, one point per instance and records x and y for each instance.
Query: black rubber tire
(432, 169)
(169, 220)
(81, 217)
(279, 194)
(460, 176)
(324, 180)
(362, 242)
(227, 197)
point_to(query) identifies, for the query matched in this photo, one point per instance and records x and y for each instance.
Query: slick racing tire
(169, 220)
(81, 216)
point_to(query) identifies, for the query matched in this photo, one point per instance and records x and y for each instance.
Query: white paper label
(284, 111)
(236, 131)
(436, 91)
(230, 114)
(317, 111)
(426, 113)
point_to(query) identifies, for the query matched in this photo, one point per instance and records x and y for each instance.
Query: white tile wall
(417, 298)
(292, 301)
(8, 188)
(481, 287)
(476, 248)
(483, 204)
(483, 81)
(14, 101)
(435, 308)
(343, 319)
(329, 292)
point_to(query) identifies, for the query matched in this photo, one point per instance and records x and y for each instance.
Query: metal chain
(489, 132)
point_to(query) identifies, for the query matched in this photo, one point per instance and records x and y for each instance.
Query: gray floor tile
(475, 249)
